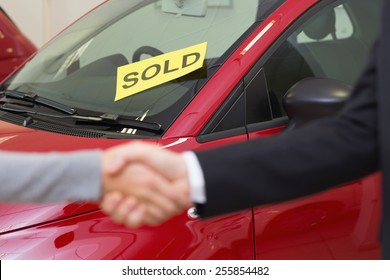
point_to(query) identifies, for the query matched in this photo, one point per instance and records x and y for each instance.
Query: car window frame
(208, 134)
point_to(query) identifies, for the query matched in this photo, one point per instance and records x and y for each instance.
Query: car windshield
(80, 67)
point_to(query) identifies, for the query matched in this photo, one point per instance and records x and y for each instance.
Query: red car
(15, 47)
(192, 75)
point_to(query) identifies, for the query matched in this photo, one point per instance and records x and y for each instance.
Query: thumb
(114, 163)
(116, 158)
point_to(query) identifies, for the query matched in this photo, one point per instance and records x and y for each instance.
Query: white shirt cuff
(195, 177)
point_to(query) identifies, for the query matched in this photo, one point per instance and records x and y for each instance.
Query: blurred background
(40, 20)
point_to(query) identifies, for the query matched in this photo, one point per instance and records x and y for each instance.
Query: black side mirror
(314, 98)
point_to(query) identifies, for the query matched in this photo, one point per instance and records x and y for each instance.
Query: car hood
(15, 216)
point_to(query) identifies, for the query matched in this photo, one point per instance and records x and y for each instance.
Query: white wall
(40, 20)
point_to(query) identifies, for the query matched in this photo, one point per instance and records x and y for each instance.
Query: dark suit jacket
(315, 157)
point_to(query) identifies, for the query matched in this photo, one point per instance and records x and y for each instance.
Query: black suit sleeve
(301, 162)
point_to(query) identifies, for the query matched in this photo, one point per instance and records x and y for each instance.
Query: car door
(331, 40)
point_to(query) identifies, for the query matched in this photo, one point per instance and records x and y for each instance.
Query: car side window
(333, 43)
(330, 41)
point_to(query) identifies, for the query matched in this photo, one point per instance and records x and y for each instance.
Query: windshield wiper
(114, 119)
(35, 99)
(105, 119)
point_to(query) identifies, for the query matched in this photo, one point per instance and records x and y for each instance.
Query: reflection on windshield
(80, 67)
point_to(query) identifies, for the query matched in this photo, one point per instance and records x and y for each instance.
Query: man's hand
(143, 184)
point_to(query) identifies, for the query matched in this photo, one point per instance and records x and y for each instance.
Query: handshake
(143, 184)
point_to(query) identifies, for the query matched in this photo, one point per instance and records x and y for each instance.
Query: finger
(153, 221)
(110, 201)
(136, 218)
(158, 215)
(162, 198)
(116, 158)
(168, 163)
(113, 161)
(175, 197)
(125, 207)
(140, 216)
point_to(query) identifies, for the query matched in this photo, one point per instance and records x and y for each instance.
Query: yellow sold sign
(136, 77)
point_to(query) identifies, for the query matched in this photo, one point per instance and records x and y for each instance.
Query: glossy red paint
(93, 236)
(15, 47)
(329, 225)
